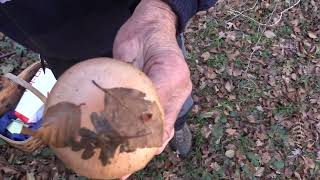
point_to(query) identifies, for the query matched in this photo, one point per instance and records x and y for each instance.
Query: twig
(7, 55)
(254, 50)
(255, 4)
(281, 14)
(238, 13)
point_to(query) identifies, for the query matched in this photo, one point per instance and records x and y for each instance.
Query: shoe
(182, 141)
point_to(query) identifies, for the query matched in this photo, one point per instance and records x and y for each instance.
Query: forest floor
(255, 69)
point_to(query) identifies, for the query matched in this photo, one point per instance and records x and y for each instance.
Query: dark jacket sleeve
(186, 9)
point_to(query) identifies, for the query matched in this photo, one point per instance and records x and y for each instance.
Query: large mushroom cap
(103, 119)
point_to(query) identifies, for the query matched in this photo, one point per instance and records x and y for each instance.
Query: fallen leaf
(260, 108)
(288, 172)
(58, 128)
(7, 168)
(295, 22)
(231, 25)
(215, 166)
(265, 158)
(230, 153)
(221, 35)
(272, 81)
(259, 143)
(205, 56)
(229, 86)
(231, 132)
(294, 76)
(251, 119)
(312, 35)
(30, 176)
(232, 97)
(231, 35)
(308, 164)
(205, 131)
(233, 54)
(256, 48)
(237, 72)
(297, 175)
(269, 34)
(259, 171)
(211, 75)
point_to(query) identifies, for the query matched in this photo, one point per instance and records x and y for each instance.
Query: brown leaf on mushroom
(128, 122)
(61, 124)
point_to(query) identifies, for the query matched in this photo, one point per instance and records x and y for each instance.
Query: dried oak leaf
(131, 115)
(128, 122)
(60, 125)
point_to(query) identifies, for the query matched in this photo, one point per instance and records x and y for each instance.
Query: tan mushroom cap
(75, 86)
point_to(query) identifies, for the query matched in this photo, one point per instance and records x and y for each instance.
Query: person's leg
(182, 117)
(182, 140)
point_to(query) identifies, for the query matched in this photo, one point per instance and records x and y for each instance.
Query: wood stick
(7, 55)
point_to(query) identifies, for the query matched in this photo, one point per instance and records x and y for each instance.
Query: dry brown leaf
(206, 131)
(232, 55)
(295, 22)
(221, 35)
(294, 76)
(134, 117)
(308, 164)
(260, 108)
(265, 158)
(128, 121)
(231, 132)
(205, 56)
(259, 171)
(297, 175)
(259, 143)
(61, 124)
(229, 86)
(237, 72)
(7, 168)
(269, 34)
(288, 172)
(251, 119)
(232, 97)
(272, 81)
(312, 35)
(230, 153)
(231, 35)
(30, 176)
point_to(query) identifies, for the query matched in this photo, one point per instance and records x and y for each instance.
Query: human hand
(148, 41)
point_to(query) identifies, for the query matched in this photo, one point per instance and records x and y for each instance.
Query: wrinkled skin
(148, 41)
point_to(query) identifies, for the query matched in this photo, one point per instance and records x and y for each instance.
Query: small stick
(7, 55)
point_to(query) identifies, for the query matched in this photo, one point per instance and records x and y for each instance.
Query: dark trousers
(58, 66)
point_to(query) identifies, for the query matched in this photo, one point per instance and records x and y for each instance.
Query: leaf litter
(256, 98)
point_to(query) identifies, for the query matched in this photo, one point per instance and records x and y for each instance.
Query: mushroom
(103, 119)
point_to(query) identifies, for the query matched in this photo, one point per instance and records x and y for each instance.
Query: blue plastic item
(6, 119)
